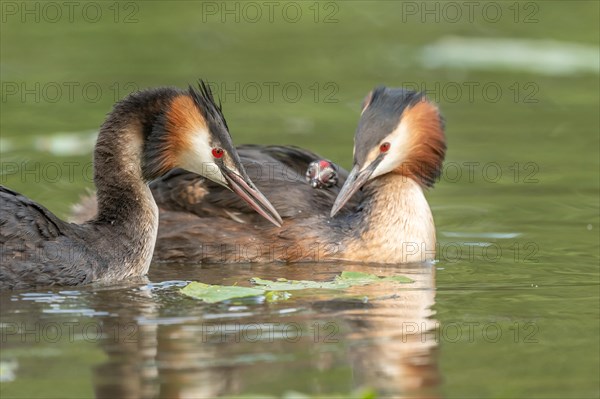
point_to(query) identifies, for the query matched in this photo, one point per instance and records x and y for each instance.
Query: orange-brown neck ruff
(427, 144)
(182, 119)
(174, 135)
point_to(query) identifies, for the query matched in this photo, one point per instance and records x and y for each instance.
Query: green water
(511, 309)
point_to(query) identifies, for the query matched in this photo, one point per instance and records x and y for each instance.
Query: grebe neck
(122, 192)
(127, 212)
(396, 224)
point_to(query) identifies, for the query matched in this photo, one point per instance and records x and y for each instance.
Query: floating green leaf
(218, 293)
(343, 281)
(291, 285)
(359, 277)
(399, 279)
(277, 296)
(278, 290)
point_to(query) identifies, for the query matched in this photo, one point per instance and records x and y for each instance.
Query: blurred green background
(62, 77)
(518, 84)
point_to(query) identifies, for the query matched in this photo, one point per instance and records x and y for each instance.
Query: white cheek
(198, 158)
(398, 151)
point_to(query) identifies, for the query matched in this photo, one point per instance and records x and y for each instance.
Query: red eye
(384, 147)
(217, 152)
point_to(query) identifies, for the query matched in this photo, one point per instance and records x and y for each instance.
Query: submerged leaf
(218, 293)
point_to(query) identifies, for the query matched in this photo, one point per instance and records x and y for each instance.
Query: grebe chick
(322, 174)
(146, 135)
(399, 149)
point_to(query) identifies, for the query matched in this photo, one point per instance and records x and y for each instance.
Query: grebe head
(192, 134)
(321, 174)
(400, 131)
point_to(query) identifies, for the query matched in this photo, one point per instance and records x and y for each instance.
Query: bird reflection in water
(386, 343)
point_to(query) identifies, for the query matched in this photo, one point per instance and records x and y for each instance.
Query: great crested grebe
(399, 149)
(146, 135)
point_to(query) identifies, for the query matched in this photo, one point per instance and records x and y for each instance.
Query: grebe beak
(246, 190)
(356, 179)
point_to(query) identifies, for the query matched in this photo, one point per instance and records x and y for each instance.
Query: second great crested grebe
(146, 135)
(399, 148)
